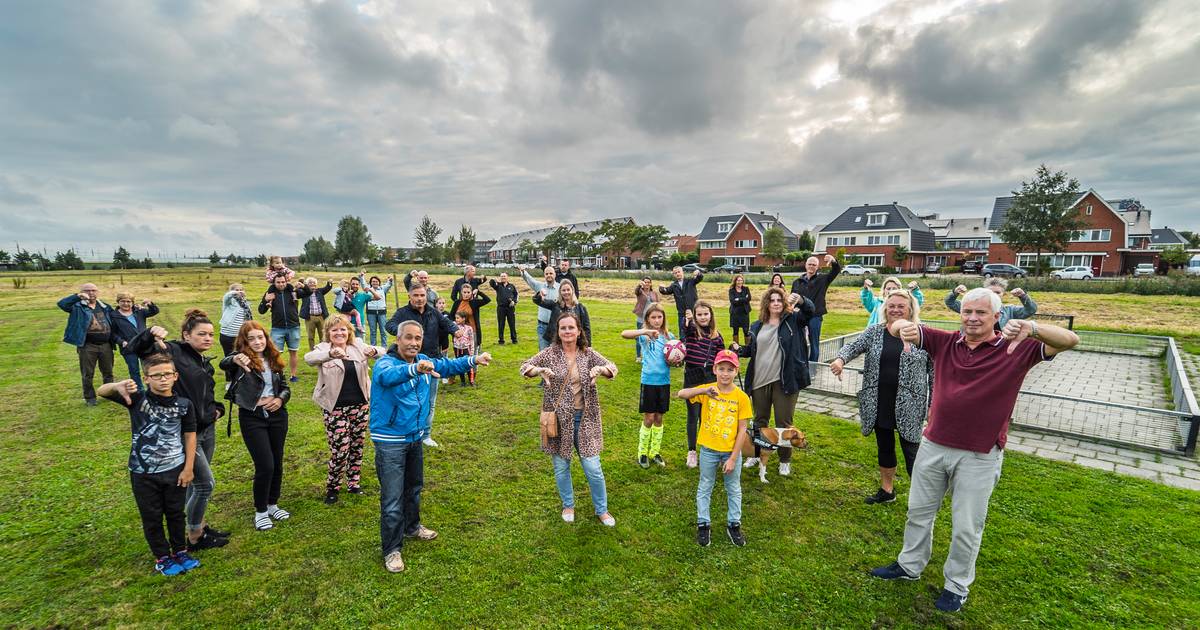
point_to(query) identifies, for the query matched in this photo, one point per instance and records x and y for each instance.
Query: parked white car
(1073, 273)
(858, 270)
(1143, 269)
(1193, 268)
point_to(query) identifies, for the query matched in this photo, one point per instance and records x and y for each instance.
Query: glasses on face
(161, 376)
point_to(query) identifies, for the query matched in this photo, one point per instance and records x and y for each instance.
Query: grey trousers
(201, 488)
(970, 477)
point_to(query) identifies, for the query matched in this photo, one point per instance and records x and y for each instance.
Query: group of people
(964, 383)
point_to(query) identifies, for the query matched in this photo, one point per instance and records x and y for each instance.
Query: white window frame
(876, 218)
(1095, 235)
(873, 240)
(893, 239)
(725, 227)
(746, 244)
(712, 244)
(766, 225)
(870, 260)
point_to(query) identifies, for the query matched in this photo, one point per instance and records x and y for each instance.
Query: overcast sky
(240, 125)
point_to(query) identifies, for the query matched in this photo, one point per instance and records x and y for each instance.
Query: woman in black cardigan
(739, 308)
(567, 303)
(778, 367)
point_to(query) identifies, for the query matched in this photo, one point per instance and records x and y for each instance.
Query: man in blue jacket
(401, 393)
(89, 329)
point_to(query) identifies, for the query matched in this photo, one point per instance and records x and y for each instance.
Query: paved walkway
(1176, 471)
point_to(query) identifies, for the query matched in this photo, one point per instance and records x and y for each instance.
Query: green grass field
(1065, 546)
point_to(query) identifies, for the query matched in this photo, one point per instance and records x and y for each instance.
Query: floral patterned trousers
(345, 428)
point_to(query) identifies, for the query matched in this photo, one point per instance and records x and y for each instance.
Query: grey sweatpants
(970, 477)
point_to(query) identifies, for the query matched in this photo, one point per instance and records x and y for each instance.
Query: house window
(724, 226)
(1089, 210)
(870, 260)
(873, 240)
(766, 225)
(832, 241)
(849, 240)
(712, 244)
(876, 218)
(893, 239)
(1057, 261)
(1092, 236)
(747, 244)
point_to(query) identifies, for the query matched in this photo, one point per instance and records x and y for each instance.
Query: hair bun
(194, 313)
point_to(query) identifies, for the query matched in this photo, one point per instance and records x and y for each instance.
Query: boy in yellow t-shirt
(724, 411)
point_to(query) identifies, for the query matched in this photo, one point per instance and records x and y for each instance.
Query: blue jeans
(637, 345)
(375, 321)
(814, 339)
(401, 470)
(542, 343)
(135, 370)
(433, 390)
(710, 462)
(591, 469)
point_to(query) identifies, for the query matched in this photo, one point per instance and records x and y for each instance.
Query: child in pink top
(464, 342)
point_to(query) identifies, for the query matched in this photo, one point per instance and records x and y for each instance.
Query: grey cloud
(362, 53)
(975, 63)
(189, 128)
(10, 195)
(676, 66)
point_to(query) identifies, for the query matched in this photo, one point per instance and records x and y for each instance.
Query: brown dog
(786, 438)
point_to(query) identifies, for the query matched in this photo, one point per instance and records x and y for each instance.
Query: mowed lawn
(1065, 546)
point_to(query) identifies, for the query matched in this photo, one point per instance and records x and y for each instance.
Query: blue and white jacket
(400, 396)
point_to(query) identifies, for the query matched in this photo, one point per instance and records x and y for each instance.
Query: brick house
(959, 239)
(1117, 237)
(678, 244)
(873, 232)
(738, 238)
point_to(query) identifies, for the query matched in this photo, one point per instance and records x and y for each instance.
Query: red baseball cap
(727, 356)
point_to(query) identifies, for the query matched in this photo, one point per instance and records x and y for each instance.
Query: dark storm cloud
(362, 51)
(984, 61)
(677, 66)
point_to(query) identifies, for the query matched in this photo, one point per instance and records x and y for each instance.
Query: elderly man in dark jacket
(89, 329)
(813, 286)
(684, 291)
(506, 306)
(435, 324)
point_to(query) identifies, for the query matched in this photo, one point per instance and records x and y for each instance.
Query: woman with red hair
(260, 390)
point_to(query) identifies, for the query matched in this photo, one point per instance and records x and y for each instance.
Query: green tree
(1175, 256)
(647, 240)
(774, 243)
(556, 242)
(4, 257)
(807, 241)
(214, 258)
(465, 244)
(23, 260)
(900, 256)
(149, 264)
(353, 240)
(66, 260)
(319, 251)
(1193, 238)
(449, 251)
(260, 260)
(527, 249)
(579, 244)
(1041, 218)
(122, 258)
(387, 255)
(426, 237)
(615, 237)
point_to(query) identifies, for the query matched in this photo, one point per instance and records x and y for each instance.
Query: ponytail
(194, 317)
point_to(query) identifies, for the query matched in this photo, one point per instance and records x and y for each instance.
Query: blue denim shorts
(286, 336)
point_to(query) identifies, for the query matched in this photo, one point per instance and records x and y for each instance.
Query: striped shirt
(701, 351)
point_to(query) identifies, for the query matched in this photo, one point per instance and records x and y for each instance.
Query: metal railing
(1117, 423)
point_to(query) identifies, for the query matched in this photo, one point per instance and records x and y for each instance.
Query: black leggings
(692, 377)
(744, 328)
(886, 440)
(264, 439)
(227, 344)
(159, 495)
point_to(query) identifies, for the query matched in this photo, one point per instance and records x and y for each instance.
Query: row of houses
(1116, 238)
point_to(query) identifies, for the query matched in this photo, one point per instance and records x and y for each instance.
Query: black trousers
(507, 315)
(158, 495)
(91, 354)
(264, 439)
(693, 376)
(885, 439)
(227, 344)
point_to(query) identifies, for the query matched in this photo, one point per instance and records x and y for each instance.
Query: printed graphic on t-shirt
(157, 435)
(720, 416)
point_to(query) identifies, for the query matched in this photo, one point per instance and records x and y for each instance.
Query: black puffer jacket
(195, 370)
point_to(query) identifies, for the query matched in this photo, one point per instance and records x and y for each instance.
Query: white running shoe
(692, 459)
(750, 462)
(429, 442)
(785, 469)
(568, 515)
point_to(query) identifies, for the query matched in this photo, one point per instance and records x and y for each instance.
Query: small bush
(20, 283)
(950, 269)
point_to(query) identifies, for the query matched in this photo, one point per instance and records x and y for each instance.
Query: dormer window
(767, 225)
(876, 218)
(724, 226)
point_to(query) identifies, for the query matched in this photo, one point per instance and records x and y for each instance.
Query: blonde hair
(236, 286)
(655, 307)
(124, 295)
(899, 285)
(274, 259)
(337, 319)
(310, 280)
(914, 307)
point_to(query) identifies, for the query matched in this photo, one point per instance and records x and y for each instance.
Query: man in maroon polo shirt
(977, 374)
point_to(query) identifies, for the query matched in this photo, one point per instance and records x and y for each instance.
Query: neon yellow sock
(643, 440)
(656, 434)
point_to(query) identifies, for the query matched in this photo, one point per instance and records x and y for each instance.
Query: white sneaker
(429, 442)
(692, 459)
(608, 520)
(568, 515)
(445, 381)
(785, 469)
(750, 462)
(394, 562)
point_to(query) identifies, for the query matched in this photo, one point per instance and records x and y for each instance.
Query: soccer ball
(674, 351)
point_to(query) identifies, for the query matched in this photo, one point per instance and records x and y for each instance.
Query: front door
(1097, 263)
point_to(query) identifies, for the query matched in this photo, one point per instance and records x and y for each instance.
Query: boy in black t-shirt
(160, 458)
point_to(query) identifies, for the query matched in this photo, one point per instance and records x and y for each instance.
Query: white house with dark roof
(738, 238)
(1163, 238)
(509, 248)
(874, 232)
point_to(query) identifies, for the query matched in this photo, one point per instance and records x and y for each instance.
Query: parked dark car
(728, 268)
(972, 266)
(1003, 270)
(692, 267)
